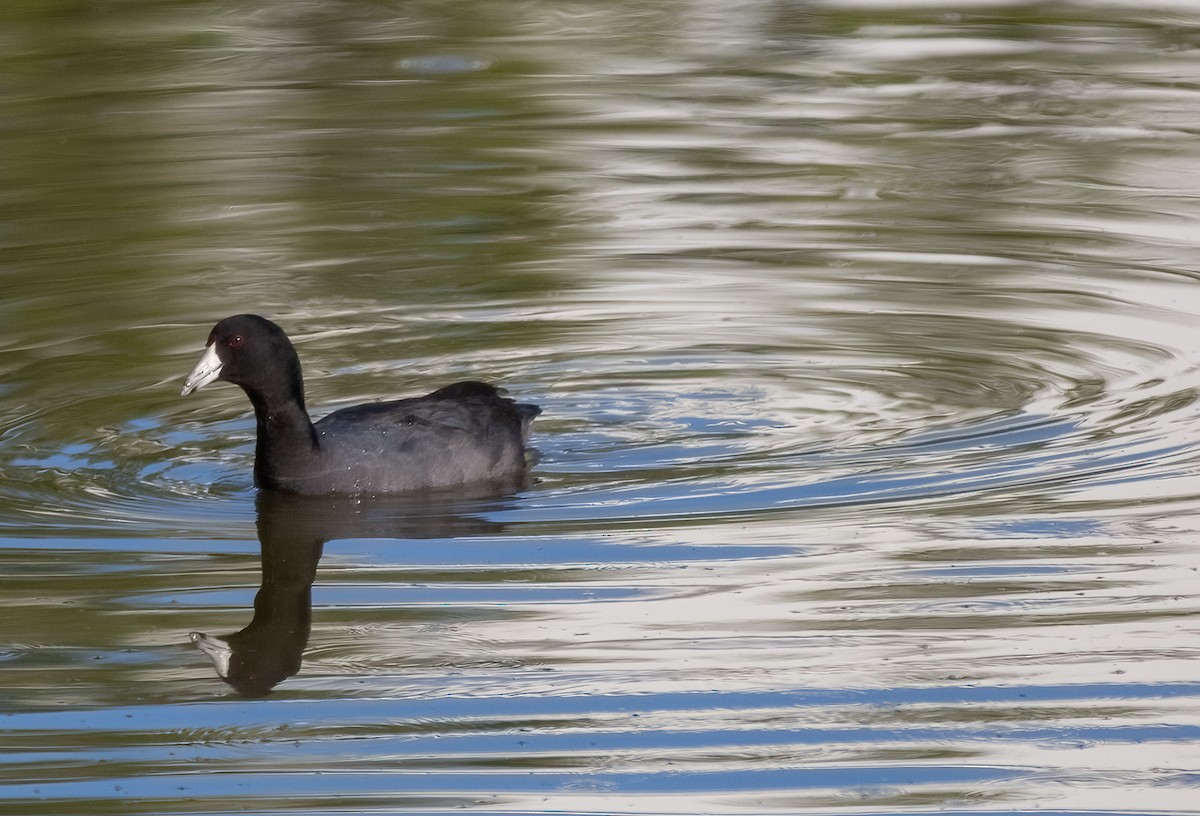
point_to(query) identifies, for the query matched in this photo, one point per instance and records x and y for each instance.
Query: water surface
(865, 335)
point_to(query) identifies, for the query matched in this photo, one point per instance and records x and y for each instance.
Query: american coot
(463, 434)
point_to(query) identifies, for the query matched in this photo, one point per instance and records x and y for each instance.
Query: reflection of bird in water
(462, 434)
(292, 531)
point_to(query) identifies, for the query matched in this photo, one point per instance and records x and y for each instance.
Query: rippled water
(867, 340)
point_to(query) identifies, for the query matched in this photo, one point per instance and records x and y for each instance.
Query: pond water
(866, 335)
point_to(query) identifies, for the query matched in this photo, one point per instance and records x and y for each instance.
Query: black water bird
(463, 434)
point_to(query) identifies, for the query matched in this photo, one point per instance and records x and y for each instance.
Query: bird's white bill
(207, 370)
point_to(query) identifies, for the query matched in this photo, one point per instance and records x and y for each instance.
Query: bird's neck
(286, 437)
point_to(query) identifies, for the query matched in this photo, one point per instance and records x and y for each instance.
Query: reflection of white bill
(219, 651)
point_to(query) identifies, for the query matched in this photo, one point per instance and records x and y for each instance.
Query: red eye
(237, 341)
